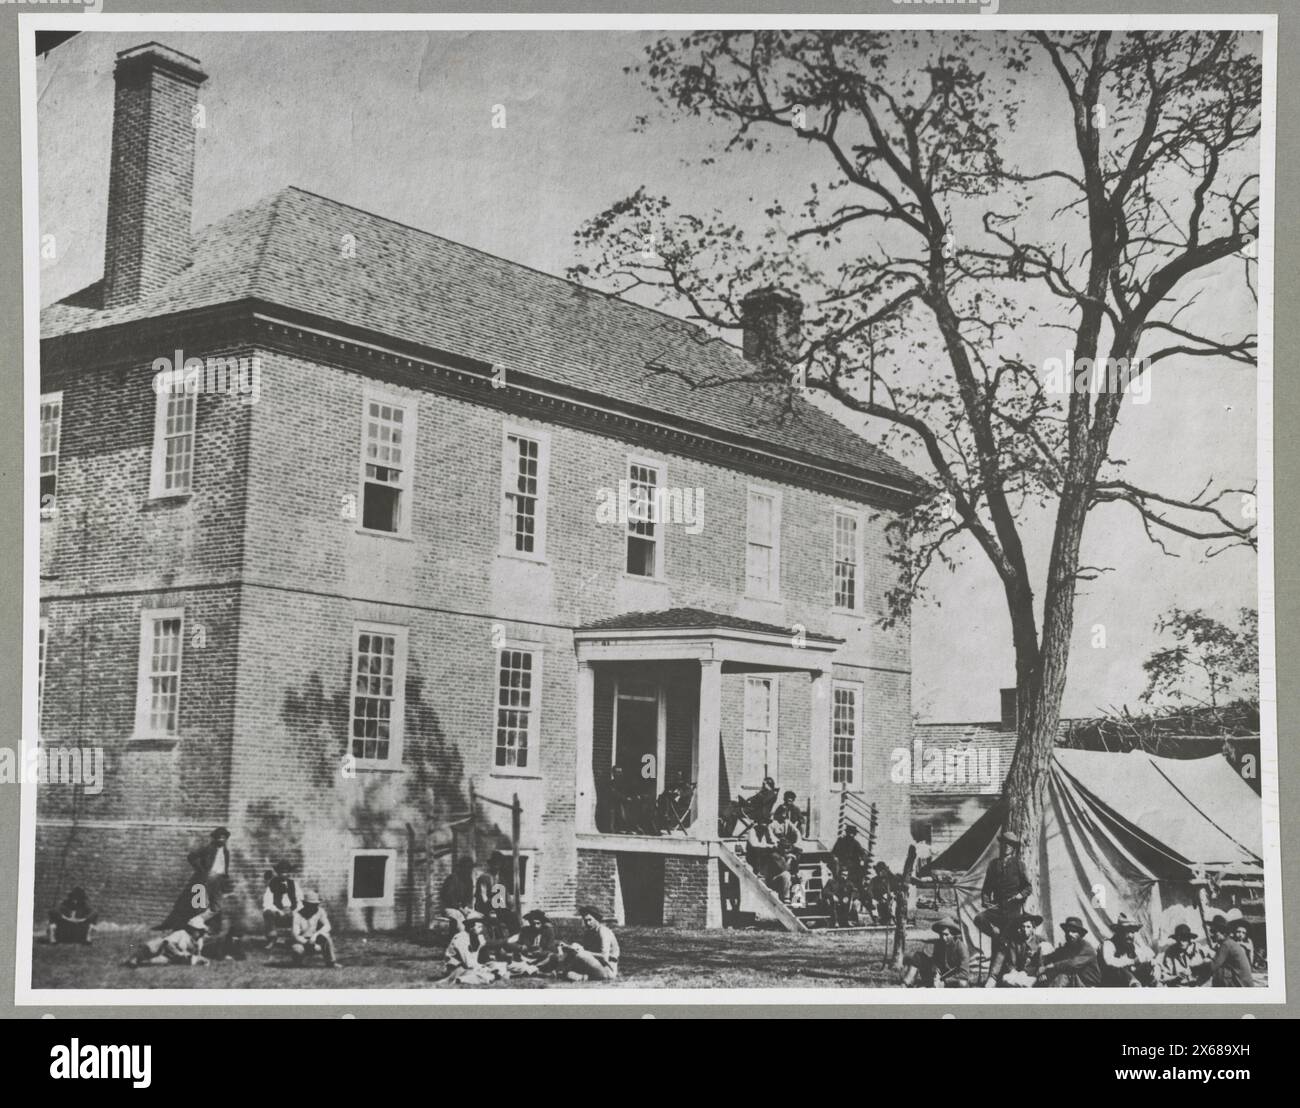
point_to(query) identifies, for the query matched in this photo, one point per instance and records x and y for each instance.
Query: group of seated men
(297, 920)
(1022, 960)
(473, 957)
(628, 806)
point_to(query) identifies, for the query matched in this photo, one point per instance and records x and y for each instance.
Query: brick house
(408, 531)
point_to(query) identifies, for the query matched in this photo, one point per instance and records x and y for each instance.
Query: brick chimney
(771, 320)
(1010, 710)
(151, 179)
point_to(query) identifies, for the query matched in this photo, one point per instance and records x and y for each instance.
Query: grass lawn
(651, 958)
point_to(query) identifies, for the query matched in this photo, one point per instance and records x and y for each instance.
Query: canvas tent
(1127, 833)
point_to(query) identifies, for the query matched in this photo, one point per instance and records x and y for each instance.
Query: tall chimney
(771, 320)
(1010, 712)
(151, 179)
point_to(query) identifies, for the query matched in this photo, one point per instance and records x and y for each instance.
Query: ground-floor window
(846, 736)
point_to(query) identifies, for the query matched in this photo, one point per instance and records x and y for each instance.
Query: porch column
(708, 750)
(584, 802)
(819, 755)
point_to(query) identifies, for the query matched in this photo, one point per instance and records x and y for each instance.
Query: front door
(636, 737)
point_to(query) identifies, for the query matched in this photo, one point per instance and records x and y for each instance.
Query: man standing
(208, 883)
(1229, 968)
(1073, 964)
(947, 966)
(1017, 963)
(1184, 963)
(1006, 886)
(1126, 961)
(311, 932)
(597, 958)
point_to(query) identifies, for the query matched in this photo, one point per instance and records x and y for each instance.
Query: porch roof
(707, 636)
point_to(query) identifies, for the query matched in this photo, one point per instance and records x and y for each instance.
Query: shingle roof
(418, 287)
(686, 619)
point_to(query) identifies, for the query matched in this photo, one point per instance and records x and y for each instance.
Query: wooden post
(900, 907)
(516, 822)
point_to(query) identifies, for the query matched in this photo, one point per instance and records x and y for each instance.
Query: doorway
(639, 736)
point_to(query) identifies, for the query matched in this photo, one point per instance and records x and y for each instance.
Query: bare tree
(932, 254)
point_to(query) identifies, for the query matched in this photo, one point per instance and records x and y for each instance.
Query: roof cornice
(317, 338)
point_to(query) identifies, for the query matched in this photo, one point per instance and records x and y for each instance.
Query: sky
(400, 124)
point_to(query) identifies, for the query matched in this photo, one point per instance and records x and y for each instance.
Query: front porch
(656, 692)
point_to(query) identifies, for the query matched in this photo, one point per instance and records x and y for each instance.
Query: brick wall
(268, 556)
(686, 891)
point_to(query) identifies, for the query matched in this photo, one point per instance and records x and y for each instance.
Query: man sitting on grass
(947, 966)
(311, 932)
(73, 921)
(596, 959)
(182, 947)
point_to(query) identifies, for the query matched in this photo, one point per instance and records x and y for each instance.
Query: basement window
(387, 456)
(373, 878)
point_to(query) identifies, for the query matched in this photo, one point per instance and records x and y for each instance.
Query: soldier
(311, 931)
(1073, 964)
(1184, 963)
(1230, 967)
(1126, 961)
(947, 966)
(851, 855)
(183, 947)
(838, 897)
(1006, 886)
(1017, 963)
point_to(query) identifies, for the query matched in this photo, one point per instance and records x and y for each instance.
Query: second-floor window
(763, 545)
(517, 704)
(848, 562)
(644, 528)
(387, 457)
(378, 693)
(159, 696)
(524, 468)
(173, 437)
(51, 431)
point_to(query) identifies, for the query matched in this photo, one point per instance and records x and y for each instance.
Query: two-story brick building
(452, 536)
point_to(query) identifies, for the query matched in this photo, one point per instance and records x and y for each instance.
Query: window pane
(514, 708)
(374, 695)
(368, 874)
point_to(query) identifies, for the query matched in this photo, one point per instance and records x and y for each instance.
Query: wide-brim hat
(311, 898)
(1031, 917)
(1183, 933)
(947, 923)
(219, 832)
(473, 917)
(1074, 923)
(1010, 837)
(1126, 924)
(198, 923)
(1219, 923)
(536, 915)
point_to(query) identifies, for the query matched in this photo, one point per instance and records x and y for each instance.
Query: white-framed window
(846, 736)
(848, 562)
(372, 879)
(759, 759)
(172, 470)
(763, 545)
(42, 636)
(51, 433)
(645, 530)
(387, 463)
(378, 694)
(158, 698)
(525, 463)
(518, 709)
